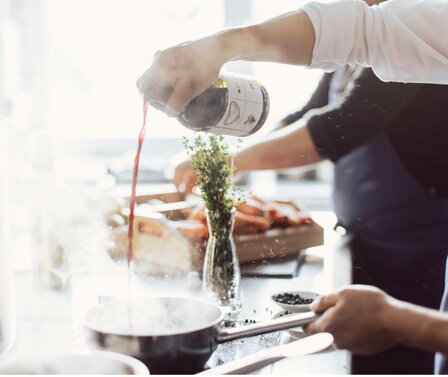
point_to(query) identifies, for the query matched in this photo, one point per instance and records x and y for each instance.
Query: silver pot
(181, 333)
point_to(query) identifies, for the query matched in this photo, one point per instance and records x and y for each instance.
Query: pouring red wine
(141, 138)
(159, 347)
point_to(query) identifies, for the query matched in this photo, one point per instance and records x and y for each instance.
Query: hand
(184, 177)
(180, 171)
(186, 70)
(357, 318)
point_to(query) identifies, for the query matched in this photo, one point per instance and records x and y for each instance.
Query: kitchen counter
(49, 322)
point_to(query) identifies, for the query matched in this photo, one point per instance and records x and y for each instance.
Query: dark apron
(399, 241)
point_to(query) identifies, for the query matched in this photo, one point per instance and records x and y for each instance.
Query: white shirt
(402, 40)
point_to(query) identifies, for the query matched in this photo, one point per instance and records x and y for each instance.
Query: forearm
(417, 327)
(282, 149)
(190, 67)
(332, 35)
(287, 39)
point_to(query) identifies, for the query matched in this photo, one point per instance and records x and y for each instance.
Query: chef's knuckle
(157, 54)
(193, 85)
(337, 343)
(190, 87)
(323, 302)
(311, 329)
(323, 325)
(167, 59)
(340, 342)
(347, 294)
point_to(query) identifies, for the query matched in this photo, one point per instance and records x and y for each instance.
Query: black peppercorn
(292, 299)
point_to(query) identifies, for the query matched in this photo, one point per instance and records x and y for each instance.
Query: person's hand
(357, 318)
(183, 71)
(184, 177)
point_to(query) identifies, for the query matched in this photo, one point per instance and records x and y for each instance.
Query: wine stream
(130, 253)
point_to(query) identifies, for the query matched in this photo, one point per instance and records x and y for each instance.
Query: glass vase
(221, 272)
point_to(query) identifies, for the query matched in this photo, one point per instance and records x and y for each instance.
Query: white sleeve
(402, 40)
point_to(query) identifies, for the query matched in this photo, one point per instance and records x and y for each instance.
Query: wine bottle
(234, 105)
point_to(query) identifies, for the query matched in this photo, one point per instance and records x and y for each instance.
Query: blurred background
(68, 96)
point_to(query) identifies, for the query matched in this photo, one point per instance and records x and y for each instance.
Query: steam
(71, 232)
(152, 316)
(82, 231)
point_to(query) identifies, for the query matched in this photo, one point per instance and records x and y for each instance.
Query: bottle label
(244, 108)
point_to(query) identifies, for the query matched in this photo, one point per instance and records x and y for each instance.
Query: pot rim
(191, 330)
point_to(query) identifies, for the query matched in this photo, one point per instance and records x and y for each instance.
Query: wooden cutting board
(274, 243)
(278, 243)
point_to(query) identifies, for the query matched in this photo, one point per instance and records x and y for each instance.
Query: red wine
(134, 185)
(141, 137)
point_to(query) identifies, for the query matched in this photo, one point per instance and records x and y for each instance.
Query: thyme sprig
(213, 164)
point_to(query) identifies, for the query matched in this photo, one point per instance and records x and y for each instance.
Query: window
(80, 60)
(68, 69)
(87, 55)
(94, 52)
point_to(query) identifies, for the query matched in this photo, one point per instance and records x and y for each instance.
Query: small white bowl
(295, 308)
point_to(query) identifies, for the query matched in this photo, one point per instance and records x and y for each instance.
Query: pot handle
(282, 323)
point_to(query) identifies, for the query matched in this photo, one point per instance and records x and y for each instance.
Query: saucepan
(171, 335)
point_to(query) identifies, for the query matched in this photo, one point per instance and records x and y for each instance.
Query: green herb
(213, 164)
